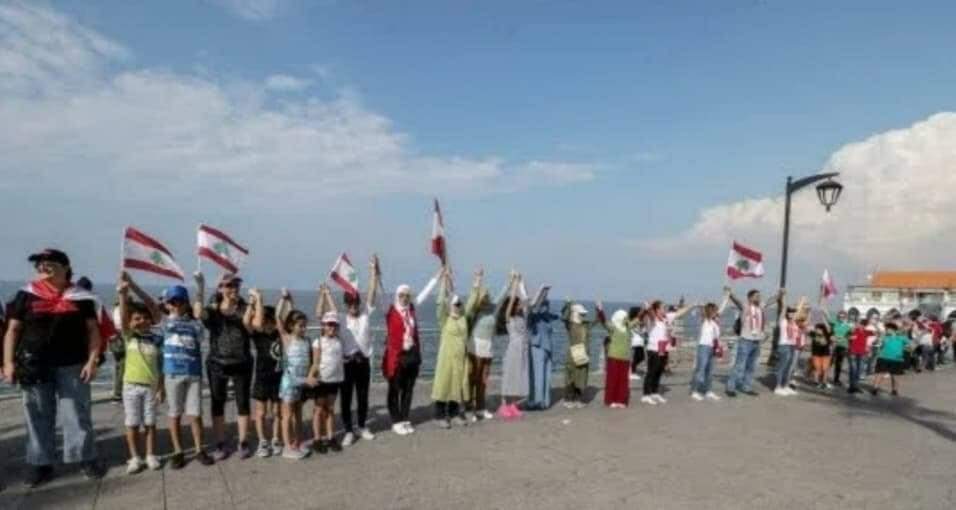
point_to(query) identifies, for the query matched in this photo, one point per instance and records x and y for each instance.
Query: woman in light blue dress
(542, 347)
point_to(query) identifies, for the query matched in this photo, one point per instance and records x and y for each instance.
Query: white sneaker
(617, 405)
(408, 428)
(713, 396)
(697, 396)
(399, 428)
(580, 405)
(791, 391)
(366, 434)
(659, 398)
(293, 453)
(568, 404)
(635, 377)
(646, 399)
(486, 415)
(474, 419)
(134, 465)
(348, 439)
(264, 450)
(276, 446)
(153, 463)
(781, 392)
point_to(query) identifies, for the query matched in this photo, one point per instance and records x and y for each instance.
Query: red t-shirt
(858, 341)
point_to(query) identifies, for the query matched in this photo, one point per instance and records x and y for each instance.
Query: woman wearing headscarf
(577, 359)
(617, 390)
(402, 357)
(515, 365)
(450, 384)
(542, 346)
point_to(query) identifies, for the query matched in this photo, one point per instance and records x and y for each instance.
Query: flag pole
(198, 255)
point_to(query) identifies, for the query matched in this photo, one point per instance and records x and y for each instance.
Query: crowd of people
(56, 334)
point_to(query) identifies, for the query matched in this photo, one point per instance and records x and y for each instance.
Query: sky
(613, 151)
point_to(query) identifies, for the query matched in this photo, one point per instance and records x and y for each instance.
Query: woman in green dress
(450, 384)
(577, 360)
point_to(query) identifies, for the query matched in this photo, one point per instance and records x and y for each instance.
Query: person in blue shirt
(542, 346)
(890, 361)
(182, 367)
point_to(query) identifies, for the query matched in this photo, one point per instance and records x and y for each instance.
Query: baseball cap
(176, 293)
(231, 279)
(50, 255)
(330, 318)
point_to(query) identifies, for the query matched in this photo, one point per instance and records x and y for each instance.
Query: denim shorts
(184, 394)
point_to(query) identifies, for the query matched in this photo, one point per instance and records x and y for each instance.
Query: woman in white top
(658, 343)
(638, 339)
(326, 374)
(708, 347)
(357, 352)
(791, 340)
(514, 371)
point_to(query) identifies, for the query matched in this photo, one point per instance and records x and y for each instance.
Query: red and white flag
(218, 247)
(828, 288)
(438, 235)
(147, 254)
(744, 262)
(344, 274)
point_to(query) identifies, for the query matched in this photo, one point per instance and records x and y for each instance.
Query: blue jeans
(856, 370)
(705, 366)
(743, 373)
(40, 402)
(539, 391)
(784, 365)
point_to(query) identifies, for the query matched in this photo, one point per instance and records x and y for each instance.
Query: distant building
(932, 292)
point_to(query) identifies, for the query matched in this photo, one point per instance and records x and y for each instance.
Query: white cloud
(286, 83)
(82, 117)
(252, 10)
(896, 209)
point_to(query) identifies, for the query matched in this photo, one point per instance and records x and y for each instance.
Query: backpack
(738, 325)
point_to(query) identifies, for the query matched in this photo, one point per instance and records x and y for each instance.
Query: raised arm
(429, 287)
(283, 307)
(725, 302)
(154, 311)
(513, 294)
(199, 310)
(776, 300)
(122, 293)
(247, 316)
(601, 316)
(329, 301)
(441, 310)
(374, 283)
(258, 309)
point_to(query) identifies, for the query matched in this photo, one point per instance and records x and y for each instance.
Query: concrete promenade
(815, 450)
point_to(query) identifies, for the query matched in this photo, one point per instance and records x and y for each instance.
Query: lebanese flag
(218, 247)
(744, 262)
(438, 235)
(56, 302)
(343, 273)
(828, 288)
(147, 254)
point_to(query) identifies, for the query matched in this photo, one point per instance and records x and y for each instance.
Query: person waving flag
(828, 287)
(438, 235)
(145, 253)
(344, 275)
(218, 247)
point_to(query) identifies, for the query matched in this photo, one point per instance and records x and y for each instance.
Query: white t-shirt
(358, 336)
(709, 331)
(657, 334)
(331, 364)
(637, 338)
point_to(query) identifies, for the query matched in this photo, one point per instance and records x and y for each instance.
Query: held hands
(8, 371)
(161, 395)
(199, 279)
(311, 381)
(89, 371)
(255, 296)
(284, 295)
(479, 274)
(122, 286)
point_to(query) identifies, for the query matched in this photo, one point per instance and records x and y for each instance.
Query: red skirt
(617, 384)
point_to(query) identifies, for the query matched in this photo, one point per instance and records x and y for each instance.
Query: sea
(687, 328)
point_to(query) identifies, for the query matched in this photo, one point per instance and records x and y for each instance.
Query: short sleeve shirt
(56, 338)
(182, 346)
(229, 342)
(144, 354)
(331, 364)
(268, 352)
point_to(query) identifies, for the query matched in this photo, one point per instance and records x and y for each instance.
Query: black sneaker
(93, 470)
(245, 451)
(38, 475)
(894, 393)
(751, 393)
(335, 446)
(874, 392)
(177, 460)
(731, 393)
(321, 447)
(204, 458)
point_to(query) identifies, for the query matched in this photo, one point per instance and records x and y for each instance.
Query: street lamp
(828, 192)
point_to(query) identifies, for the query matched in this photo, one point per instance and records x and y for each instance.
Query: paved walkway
(816, 450)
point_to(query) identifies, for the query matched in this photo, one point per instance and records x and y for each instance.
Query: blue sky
(641, 116)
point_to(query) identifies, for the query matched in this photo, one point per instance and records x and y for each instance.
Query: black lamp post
(828, 192)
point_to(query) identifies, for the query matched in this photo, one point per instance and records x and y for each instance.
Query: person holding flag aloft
(357, 352)
(450, 384)
(752, 332)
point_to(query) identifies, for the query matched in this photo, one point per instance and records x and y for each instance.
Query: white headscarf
(577, 313)
(405, 312)
(619, 320)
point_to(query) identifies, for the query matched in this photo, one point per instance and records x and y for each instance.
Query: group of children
(164, 360)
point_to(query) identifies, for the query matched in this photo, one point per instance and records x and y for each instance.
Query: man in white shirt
(752, 332)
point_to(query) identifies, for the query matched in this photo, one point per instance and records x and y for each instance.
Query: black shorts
(266, 386)
(888, 366)
(819, 350)
(324, 390)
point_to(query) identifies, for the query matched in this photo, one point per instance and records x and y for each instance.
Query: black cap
(84, 283)
(51, 255)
